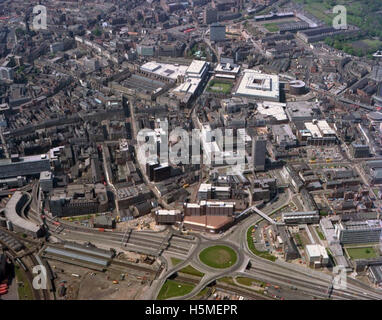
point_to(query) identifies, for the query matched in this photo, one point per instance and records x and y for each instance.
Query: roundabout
(218, 256)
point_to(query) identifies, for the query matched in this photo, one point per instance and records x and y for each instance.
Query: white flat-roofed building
(318, 132)
(227, 69)
(169, 71)
(325, 129)
(320, 128)
(259, 85)
(273, 109)
(316, 255)
(313, 129)
(208, 191)
(225, 76)
(194, 74)
(197, 69)
(190, 85)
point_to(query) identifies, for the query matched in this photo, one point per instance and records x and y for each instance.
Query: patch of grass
(24, 287)
(323, 213)
(176, 261)
(244, 281)
(227, 280)
(173, 288)
(192, 271)
(219, 86)
(271, 27)
(251, 246)
(218, 257)
(320, 234)
(361, 13)
(331, 257)
(298, 239)
(362, 253)
(250, 281)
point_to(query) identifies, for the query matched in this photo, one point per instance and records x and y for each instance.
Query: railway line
(37, 294)
(37, 261)
(302, 285)
(148, 242)
(242, 292)
(354, 287)
(317, 288)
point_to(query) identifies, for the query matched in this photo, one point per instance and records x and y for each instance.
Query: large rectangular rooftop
(258, 85)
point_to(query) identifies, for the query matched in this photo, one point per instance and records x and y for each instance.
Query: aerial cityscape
(190, 150)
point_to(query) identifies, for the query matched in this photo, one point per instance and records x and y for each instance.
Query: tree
(97, 32)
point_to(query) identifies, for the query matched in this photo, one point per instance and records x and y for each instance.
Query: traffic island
(219, 257)
(172, 288)
(252, 247)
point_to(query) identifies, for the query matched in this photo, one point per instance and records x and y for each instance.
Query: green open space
(356, 45)
(271, 27)
(219, 86)
(319, 9)
(362, 253)
(192, 271)
(250, 281)
(198, 51)
(320, 234)
(227, 280)
(24, 287)
(251, 246)
(175, 261)
(332, 261)
(172, 288)
(218, 257)
(298, 240)
(365, 14)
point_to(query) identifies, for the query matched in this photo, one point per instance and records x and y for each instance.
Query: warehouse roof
(76, 256)
(171, 71)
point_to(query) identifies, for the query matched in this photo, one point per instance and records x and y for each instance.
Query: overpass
(263, 215)
(259, 212)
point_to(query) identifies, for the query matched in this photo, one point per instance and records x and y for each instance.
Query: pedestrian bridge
(262, 214)
(259, 212)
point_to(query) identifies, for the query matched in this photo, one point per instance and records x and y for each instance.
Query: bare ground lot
(100, 288)
(96, 285)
